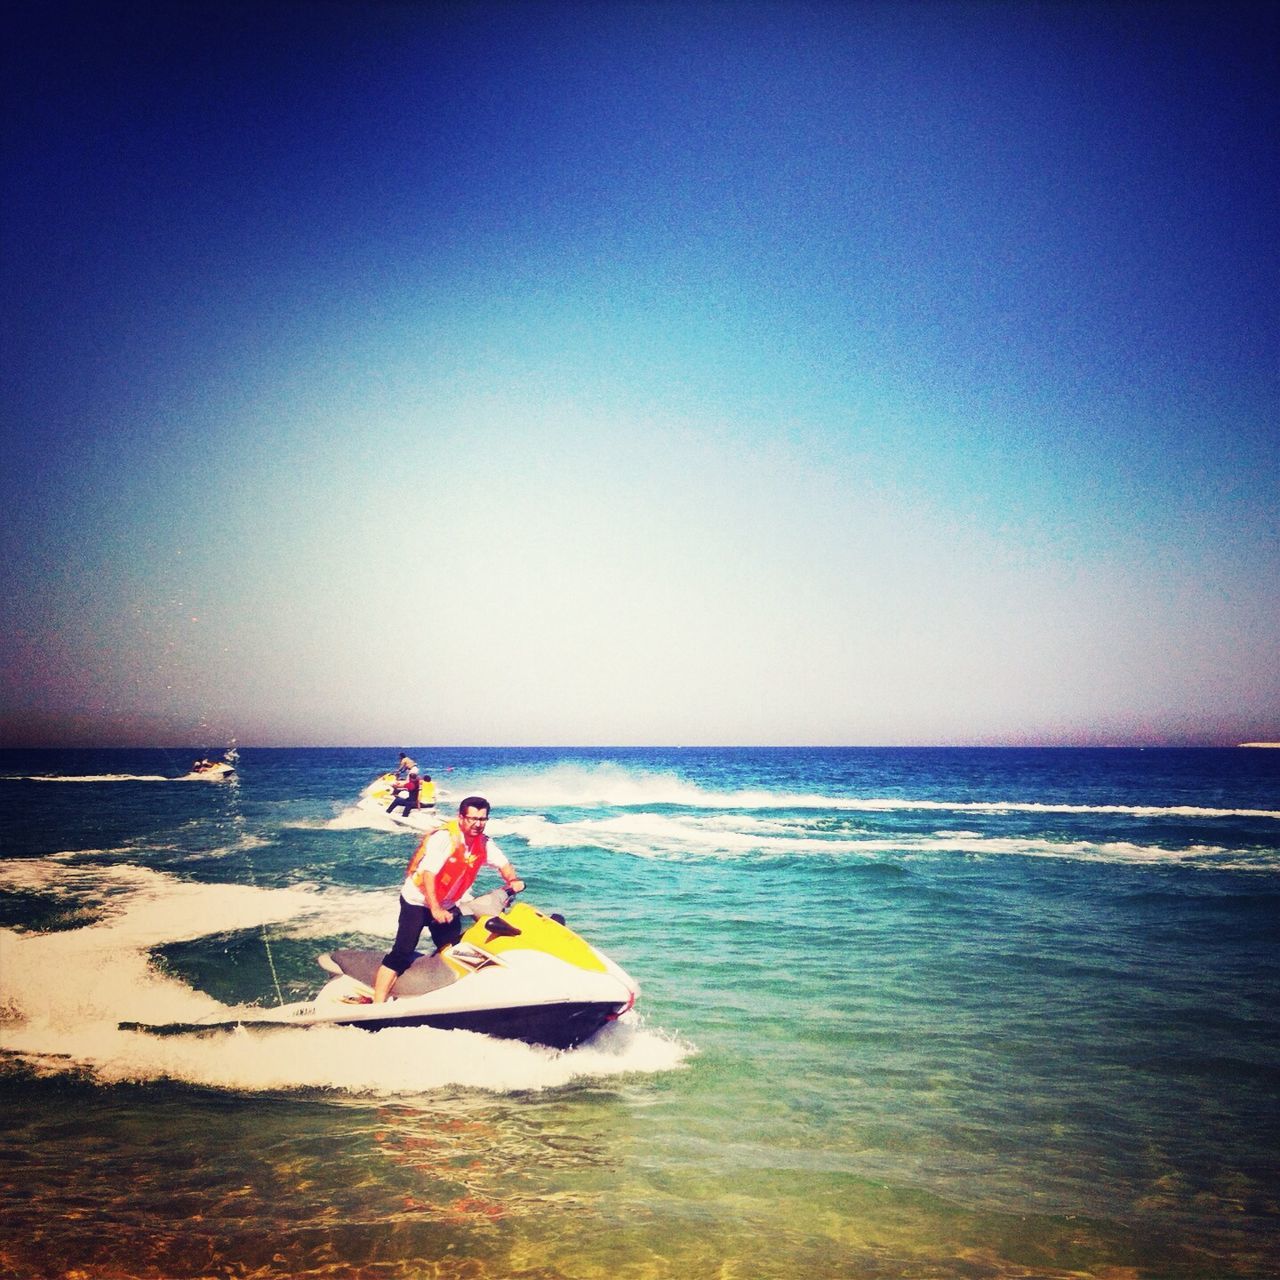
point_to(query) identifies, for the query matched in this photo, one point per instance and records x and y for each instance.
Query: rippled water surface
(954, 1013)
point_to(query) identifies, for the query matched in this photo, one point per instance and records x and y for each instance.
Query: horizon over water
(944, 1012)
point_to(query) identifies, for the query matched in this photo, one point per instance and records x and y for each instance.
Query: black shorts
(404, 950)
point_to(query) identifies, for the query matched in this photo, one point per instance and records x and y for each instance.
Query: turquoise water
(954, 1013)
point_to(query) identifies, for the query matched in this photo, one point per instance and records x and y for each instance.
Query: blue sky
(640, 373)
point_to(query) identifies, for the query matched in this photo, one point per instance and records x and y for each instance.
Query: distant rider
(442, 870)
(406, 794)
(404, 768)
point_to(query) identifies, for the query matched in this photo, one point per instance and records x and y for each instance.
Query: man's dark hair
(474, 802)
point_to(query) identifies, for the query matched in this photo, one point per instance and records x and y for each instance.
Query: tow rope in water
(237, 819)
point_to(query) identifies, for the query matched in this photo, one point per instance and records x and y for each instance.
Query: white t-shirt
(439, 847)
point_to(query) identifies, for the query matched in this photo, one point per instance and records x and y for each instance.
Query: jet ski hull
(561, 1026)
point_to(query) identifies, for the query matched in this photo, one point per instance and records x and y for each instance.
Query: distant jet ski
(515, 973)
(212, 770)
(378, 795)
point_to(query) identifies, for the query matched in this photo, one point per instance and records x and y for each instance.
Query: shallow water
(904, 1013)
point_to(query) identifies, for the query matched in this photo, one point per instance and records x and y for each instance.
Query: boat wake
(726, 837)
(63, 994)
(615, 786)
(95, 777)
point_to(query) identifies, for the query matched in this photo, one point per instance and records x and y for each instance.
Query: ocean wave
(587, 786)
(1022, 806)
(682, 837)
(355, 818)
(615, 786)
(92, 777)
(116, 777)
(408, 1065)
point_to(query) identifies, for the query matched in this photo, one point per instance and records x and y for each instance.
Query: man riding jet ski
(390, 797)
(515, 973)
(440, 874)
(213, 770)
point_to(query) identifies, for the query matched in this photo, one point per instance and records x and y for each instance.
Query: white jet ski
(213, 770)
(375, 798)
(515, 973)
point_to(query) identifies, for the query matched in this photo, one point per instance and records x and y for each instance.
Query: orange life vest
(460, 868)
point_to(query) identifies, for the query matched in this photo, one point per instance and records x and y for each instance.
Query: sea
(952, 1014)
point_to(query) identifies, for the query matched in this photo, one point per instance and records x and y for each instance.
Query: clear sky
(655, 373)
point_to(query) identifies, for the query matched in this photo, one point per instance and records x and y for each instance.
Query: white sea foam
(404, 1063)
(357, 819)
(369, 813)
(691, 836)
(657, 815)
(609, 785)
(1020, 806)
(224, 778)
(63, 994)
(616, 786)
(668, 835)
(97, 777)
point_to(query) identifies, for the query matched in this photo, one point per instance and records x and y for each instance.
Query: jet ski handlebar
(493, 903)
